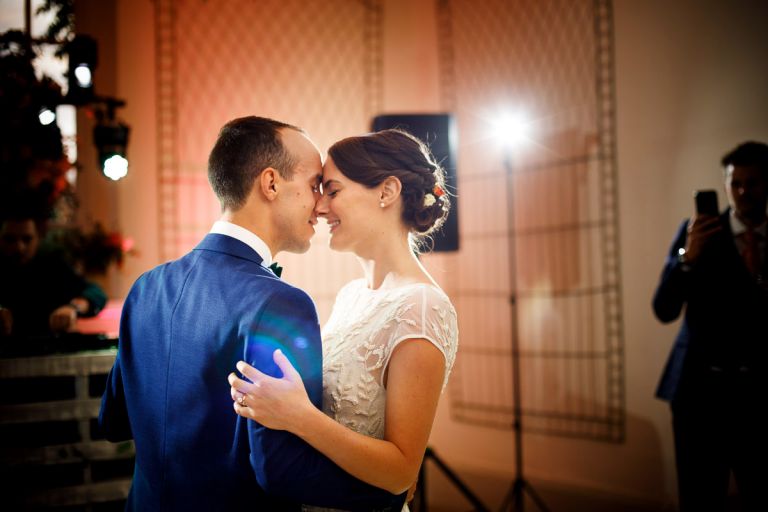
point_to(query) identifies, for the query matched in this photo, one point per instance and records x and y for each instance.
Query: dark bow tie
(276, 269)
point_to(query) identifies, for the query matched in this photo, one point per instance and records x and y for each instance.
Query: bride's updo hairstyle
(370, 159)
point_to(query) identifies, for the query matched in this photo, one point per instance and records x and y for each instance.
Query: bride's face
(350, 209)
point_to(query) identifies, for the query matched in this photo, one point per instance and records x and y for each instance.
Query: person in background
(716, 377)
(40, 293)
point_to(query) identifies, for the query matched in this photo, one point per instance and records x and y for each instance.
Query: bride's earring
(381, 204)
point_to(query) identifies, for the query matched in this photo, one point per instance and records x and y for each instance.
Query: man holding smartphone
(716, 377)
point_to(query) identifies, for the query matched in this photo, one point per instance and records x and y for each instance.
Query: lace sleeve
(424, 312)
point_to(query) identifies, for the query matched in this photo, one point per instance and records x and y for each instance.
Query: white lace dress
(364, 328)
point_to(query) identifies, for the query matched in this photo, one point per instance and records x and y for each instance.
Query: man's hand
(63, 318)
(700, 229)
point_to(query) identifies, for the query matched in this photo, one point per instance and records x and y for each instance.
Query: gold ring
(241, 401)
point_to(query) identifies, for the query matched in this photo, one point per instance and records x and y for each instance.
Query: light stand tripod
(515, 498)
(420, 499)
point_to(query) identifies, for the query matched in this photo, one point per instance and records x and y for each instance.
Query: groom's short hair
(245, 147)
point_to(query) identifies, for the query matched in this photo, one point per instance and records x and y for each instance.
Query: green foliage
(32, 157)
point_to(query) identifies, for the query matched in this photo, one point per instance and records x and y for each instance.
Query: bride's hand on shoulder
(279, 404)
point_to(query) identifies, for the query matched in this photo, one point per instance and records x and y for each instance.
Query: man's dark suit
(716, 377)
(184, 326)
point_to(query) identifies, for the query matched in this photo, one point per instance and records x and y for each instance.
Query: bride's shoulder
(425, 308)
(429, 294)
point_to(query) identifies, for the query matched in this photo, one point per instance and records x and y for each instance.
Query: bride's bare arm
(414, 381)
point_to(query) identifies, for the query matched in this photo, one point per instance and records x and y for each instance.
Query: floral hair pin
(430, 198)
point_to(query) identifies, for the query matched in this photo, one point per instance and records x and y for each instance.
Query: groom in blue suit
(716, 377)
(185, 325)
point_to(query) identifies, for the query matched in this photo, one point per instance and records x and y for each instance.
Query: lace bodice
(364, 328)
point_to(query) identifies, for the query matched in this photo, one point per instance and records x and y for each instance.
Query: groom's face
(296, 216)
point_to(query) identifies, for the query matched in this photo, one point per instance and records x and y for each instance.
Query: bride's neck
(390, 265)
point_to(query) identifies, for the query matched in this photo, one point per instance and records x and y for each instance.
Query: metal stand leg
(420, 501)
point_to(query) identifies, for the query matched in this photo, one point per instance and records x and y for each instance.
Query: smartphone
(706, 202)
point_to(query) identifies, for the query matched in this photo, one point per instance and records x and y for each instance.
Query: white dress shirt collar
(223, 227)
(738, 227)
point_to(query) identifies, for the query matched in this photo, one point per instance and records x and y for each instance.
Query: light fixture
(115, 167)
(83, 76)
(111, 140)
(83, 58)
(110, 136)
(512, 129)
(46, 116)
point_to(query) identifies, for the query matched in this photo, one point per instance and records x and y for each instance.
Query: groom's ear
(267, 183)
(390, 190)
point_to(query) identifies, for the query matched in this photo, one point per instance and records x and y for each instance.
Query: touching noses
(321, 206)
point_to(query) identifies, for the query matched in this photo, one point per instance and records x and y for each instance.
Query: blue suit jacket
(725, 327)
(184, 326)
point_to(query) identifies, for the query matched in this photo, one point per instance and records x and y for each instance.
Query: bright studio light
(512, 129)
(111, 140)
(46, 116)
(115, 167)
(83, 75)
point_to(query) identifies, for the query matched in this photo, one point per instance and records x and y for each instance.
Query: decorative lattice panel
(313, 64)
(539, 258)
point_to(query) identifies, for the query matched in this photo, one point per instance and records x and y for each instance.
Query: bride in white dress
(391, 340)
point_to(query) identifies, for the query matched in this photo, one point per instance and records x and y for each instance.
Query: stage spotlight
(46, 116)
(83, 57)
(111, 140)
(83, 76)
(115, 167)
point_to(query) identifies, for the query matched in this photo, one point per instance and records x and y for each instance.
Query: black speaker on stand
(438, 131)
